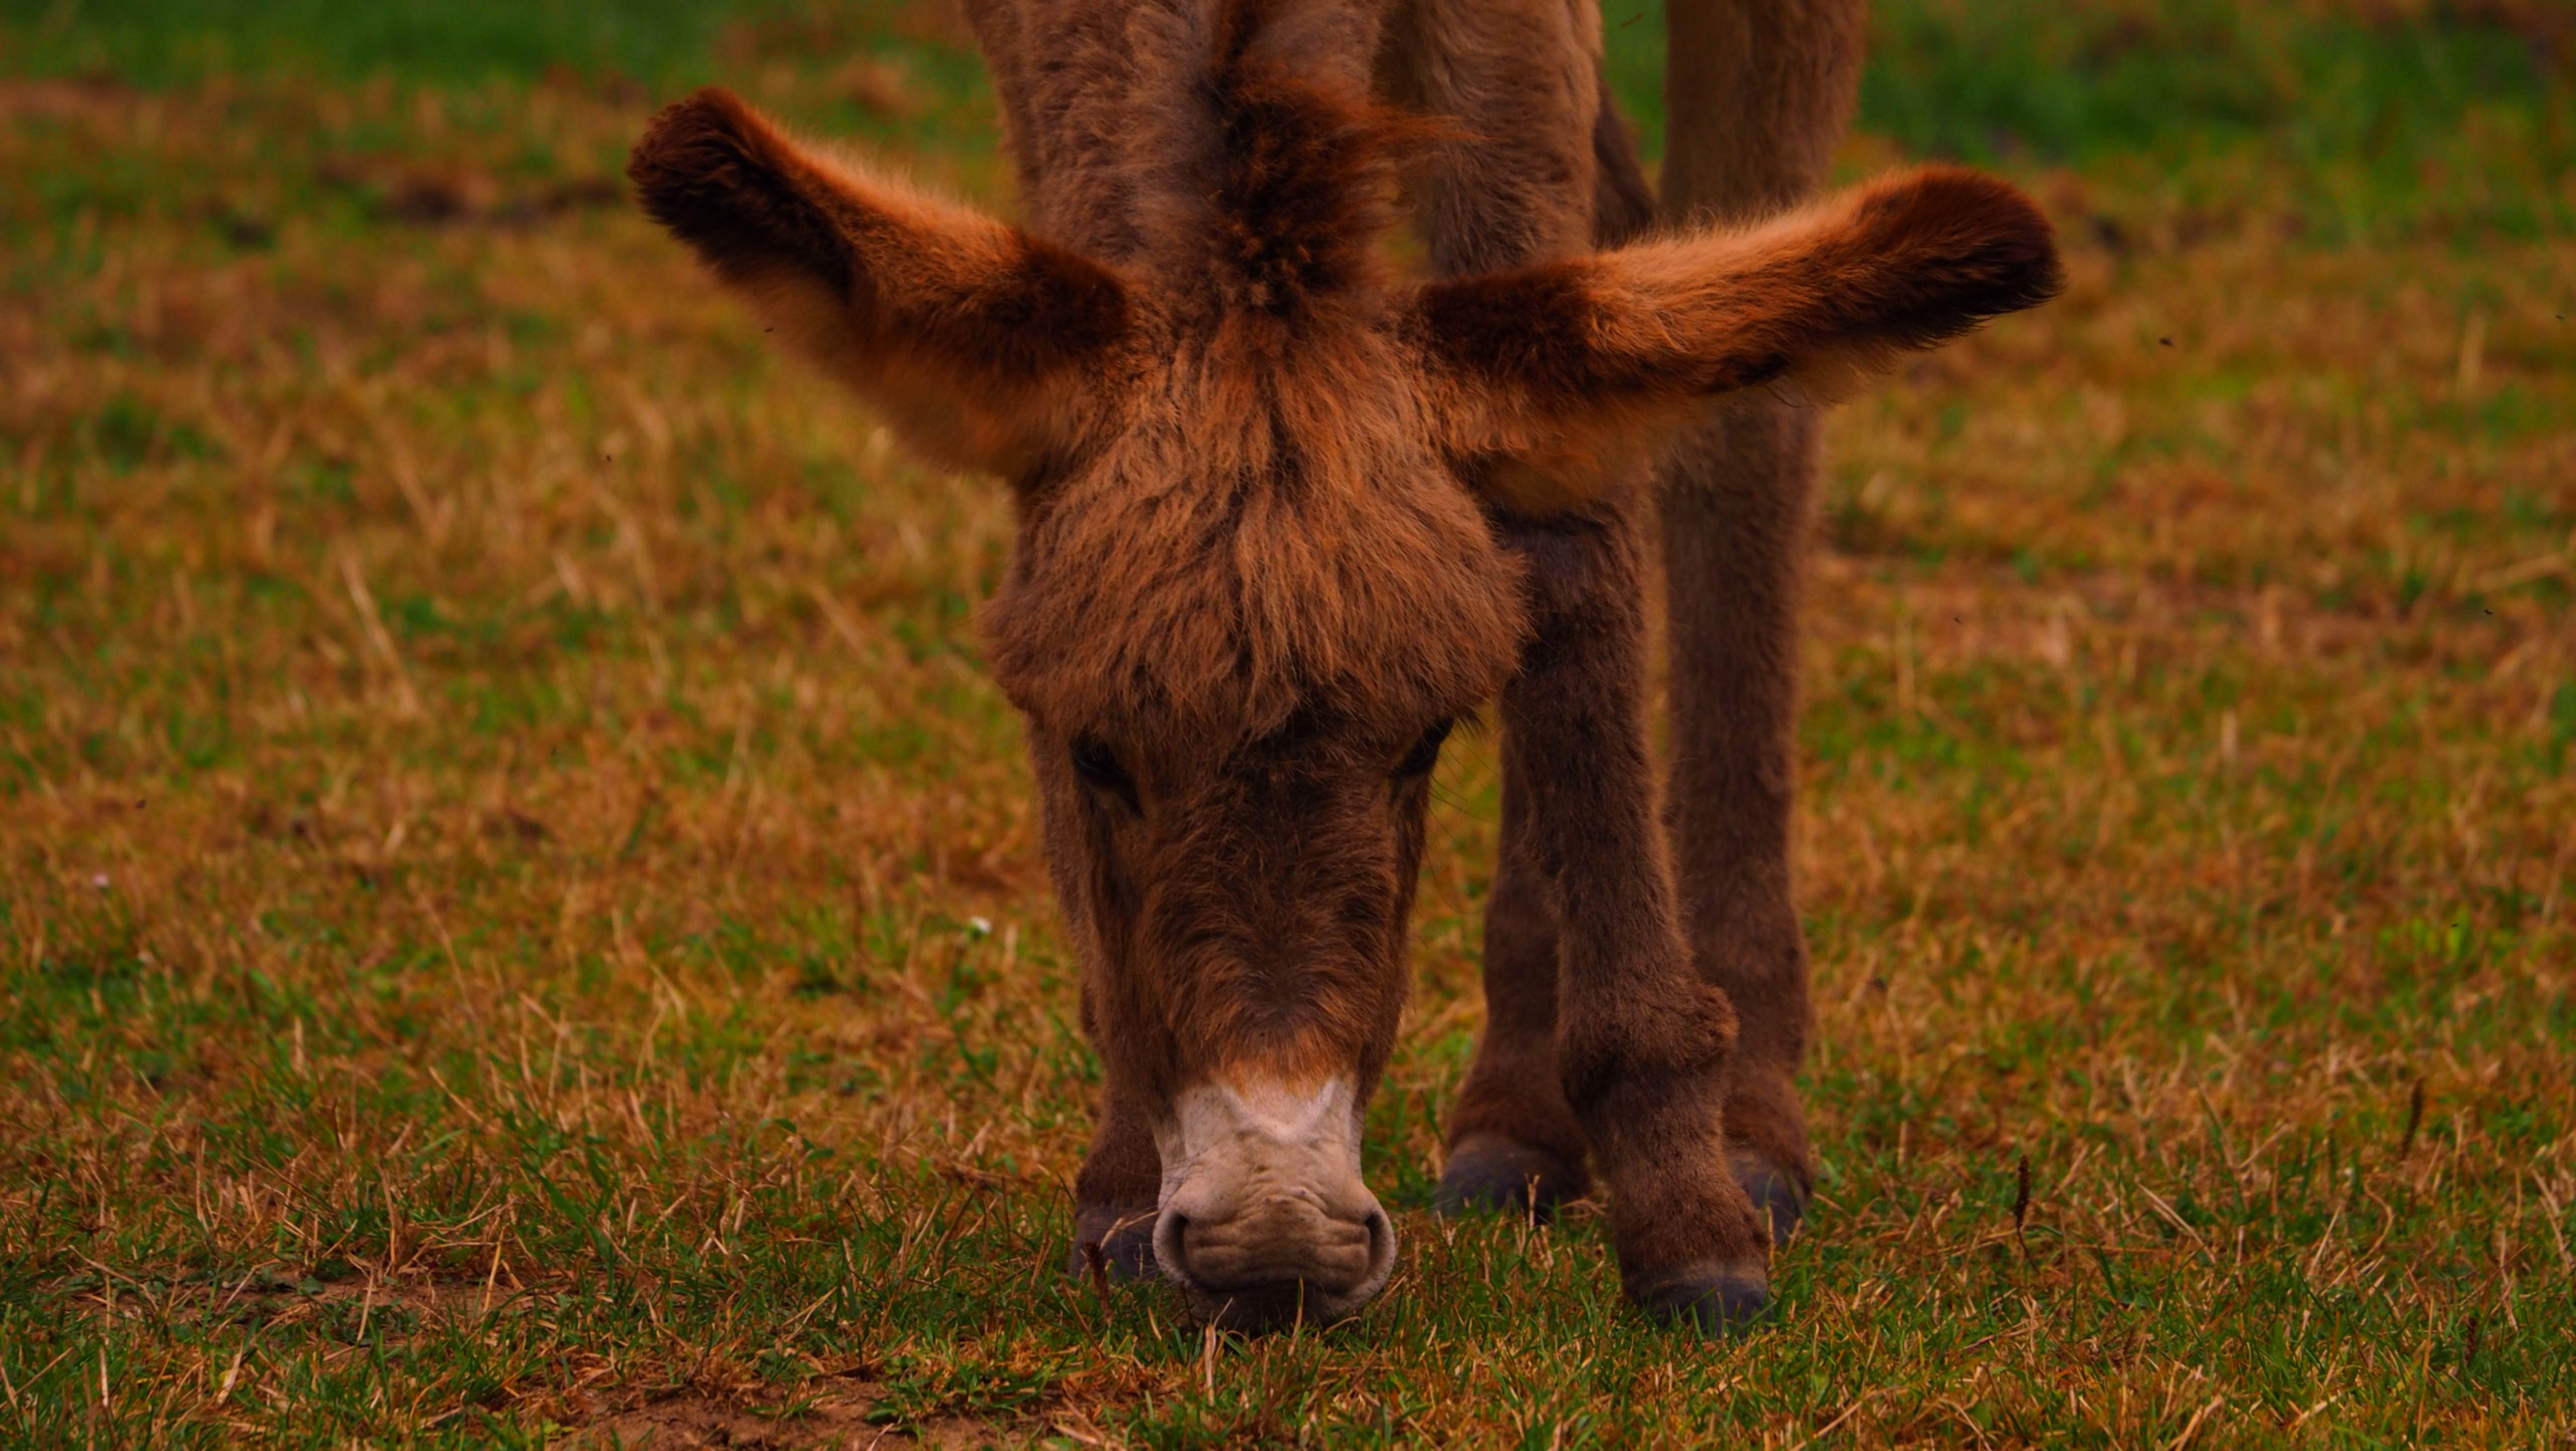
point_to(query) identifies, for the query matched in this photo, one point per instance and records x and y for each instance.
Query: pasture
(521, 918)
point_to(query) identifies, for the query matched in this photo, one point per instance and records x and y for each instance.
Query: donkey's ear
(982, 344)
(1559, 374)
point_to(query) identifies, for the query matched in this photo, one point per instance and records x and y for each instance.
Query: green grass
(521, 917)
(2374, 119)
(179, 42)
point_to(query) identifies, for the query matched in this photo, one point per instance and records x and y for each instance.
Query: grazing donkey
(1284, 516)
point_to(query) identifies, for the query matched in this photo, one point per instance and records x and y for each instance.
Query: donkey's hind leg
(1513, 1141)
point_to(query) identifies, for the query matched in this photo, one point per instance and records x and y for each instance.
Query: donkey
(1285, 514)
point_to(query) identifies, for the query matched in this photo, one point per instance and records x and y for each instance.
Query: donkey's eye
(1426, 752)
(1093, 762)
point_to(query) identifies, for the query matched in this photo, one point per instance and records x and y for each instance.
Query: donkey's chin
(1264, 1222)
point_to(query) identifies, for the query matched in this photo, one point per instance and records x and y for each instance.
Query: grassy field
(521, 917)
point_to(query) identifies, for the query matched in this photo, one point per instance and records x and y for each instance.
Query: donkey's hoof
(1123, 1238)
(1719, 1299)
(1489, 1174)
(1775, 1194)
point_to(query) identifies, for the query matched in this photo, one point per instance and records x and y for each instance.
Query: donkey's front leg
(1115, 1195)
(1643, 1042)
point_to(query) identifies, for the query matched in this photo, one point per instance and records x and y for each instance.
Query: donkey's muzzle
(1264, 1222)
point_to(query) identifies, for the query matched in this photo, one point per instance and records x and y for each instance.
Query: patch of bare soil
(279, 1295)
(429, 194)
(836, 1419)
(63, 97)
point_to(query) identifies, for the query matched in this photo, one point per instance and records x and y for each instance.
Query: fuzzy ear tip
(2023, 240)
(1983, 232)
(684, 136)
(712, 171)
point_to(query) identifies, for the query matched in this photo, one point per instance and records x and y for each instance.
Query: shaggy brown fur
(1735, 499)
(1284, 518)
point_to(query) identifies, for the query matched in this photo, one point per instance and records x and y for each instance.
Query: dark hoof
(1775, 1195)
(1123, 1238)
(1490, 1174)
(1720, 1300)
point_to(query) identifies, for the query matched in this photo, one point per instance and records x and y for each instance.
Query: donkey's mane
(1231, 148)
(1305, 164)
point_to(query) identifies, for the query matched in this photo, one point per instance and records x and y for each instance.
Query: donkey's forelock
(1271, 540)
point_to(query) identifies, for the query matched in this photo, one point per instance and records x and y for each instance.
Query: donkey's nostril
(1171, 1245)
(1278, 1258)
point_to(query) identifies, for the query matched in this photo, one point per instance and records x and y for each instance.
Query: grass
(521, 918)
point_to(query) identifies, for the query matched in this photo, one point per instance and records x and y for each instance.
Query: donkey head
(1258, 573)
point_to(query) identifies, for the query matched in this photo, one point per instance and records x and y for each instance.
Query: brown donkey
(1283, 517)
